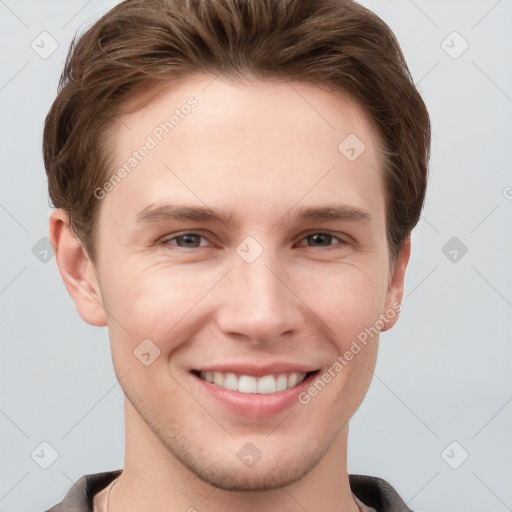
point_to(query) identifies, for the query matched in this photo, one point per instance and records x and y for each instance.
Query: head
(262, 230)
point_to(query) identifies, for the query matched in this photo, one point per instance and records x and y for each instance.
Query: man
(235, 184)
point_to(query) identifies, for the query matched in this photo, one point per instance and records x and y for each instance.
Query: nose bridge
(257, 303)
(261, 284)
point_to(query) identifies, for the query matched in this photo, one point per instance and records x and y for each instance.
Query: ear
(77, 270)
(395, 291)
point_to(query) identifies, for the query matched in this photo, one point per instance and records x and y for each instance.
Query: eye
(321, 240)
(187, 241)
(196, 240)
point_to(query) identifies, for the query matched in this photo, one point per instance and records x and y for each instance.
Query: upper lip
(258, 370)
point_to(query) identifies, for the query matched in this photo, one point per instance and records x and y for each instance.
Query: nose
(258, 303)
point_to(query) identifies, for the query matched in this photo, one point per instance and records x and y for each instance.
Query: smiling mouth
(265, 385)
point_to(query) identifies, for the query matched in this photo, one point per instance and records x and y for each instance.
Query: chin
(223, 470)
(266, 477)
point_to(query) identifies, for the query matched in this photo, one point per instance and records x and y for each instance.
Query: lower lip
(254, 405)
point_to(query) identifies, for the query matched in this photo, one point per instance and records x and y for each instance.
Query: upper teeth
(249, 384)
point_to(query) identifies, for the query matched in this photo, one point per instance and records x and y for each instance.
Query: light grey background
(444, 372)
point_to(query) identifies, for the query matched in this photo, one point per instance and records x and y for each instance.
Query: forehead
(208, 140)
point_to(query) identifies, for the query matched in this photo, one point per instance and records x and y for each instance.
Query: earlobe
(77, 270)
(396, 287)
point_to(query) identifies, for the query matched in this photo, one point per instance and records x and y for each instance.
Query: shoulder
(377, 493)
(79, 497)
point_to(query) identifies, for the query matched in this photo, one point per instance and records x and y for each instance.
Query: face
(240, 257)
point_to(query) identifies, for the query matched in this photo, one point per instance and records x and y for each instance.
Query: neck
(155, 481)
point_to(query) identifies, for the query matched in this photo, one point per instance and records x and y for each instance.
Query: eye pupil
(320, 239)
(189, 240)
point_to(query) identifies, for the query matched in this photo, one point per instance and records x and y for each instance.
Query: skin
(259, 152)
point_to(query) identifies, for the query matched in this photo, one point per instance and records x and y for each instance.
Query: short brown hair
(140, 44)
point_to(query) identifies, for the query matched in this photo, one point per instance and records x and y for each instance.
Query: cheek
(167, 304)
(348, 300)
(350, 307)
(155, 303)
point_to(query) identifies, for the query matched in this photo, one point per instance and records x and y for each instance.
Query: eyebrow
(333, 212)
(170, 212)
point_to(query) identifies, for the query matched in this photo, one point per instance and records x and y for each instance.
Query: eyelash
(168, 241)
